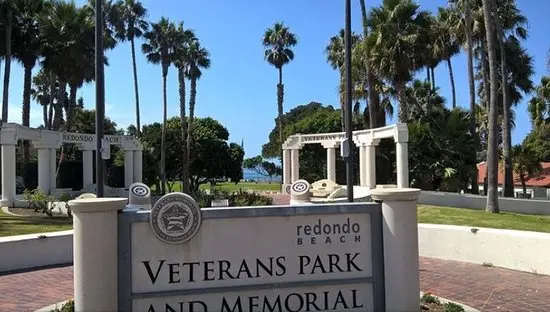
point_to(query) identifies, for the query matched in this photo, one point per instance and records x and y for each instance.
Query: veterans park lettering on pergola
(296, 258)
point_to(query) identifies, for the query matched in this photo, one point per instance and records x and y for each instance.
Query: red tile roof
(542, 180)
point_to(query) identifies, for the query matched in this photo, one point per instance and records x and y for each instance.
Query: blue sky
(240, 88)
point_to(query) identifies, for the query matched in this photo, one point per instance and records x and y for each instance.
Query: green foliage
(38, 201)
(538, 141)
(428, 298)
(262, 167)
(440, 151)
(237, 199)
(211, 158)
(67, 307)
(453, 307)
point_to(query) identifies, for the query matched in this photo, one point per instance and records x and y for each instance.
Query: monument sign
(178, 257)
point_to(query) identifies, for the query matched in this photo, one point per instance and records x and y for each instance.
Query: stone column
(362, 165)
(370, 161)
(295, 167)
(128, 168)
(44, 170)
(138, 166)
(402, 159)
(286, 167)
(95, 253)
(53, 169)
(400, 232)
(8, 174)
(87, 167)
(331, 164)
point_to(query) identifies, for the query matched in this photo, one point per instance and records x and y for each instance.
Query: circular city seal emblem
(139, 189)
(287, 189)
(300, 186)
(175, 218)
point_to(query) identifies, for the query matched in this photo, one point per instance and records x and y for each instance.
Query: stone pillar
(138, 166)
(8, 175)
(95, 253)
(286, 167)
(362, 165)
(400, 232)
(87, 167)
(370, 161)
(128, 168)
(295, 167)
(53, 169)
(44, 170)
(331, 164)
(402, 159)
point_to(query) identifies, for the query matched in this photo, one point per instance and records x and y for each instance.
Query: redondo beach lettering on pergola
(47, 142)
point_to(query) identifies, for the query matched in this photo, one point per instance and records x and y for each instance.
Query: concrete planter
(219, 203)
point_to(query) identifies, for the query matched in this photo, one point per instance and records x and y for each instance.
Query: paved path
(484, 288)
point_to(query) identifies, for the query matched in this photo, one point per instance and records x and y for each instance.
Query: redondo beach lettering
(326, 233)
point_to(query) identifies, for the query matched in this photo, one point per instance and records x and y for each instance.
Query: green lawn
(12, 225)
(472, 217)
(232, 187)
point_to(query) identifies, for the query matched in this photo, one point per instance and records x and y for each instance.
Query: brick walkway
(484, 288)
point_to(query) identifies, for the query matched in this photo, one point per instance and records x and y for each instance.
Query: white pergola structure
(47, 142)
(365, 140)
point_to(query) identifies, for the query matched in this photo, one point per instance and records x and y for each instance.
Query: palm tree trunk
(370, 90)
(192, 99)
(403, 113)
(523, 185)
(453, 90)
(138, 125)
(183, 124)
(280, 99)
(45, 115)
(61, 99)
(7, 69)
(163, 137)
(508, 188)
(71, 106)
(474, 178)
(433, 77)
(26, 109)
(485, 75)
(428, 75)
(492, 156)
(52, 96)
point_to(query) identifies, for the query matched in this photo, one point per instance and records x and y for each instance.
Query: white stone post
(400, 232)
(138, 166)
(53, 169)
(8, 174)
(370, 161)
(402, 159)
(128, 167)
(286, 167)
(87, 167)
(44, 170)
(95, 243)
(295, 167)
(331, 164)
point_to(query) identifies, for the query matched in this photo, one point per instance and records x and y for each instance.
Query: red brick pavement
(484, 288)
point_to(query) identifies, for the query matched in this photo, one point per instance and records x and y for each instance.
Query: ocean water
(251, 175)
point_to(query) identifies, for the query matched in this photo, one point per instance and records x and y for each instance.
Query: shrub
(453, 307)
(243, 199)
(428, 298)
(67, 307)
(38, 201)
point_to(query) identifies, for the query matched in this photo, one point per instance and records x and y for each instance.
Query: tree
(397, 32)
(445, 45)
(492, 154)
(538, 142)
(422, 99)
(197, 60)
(539, 105)
(159, 50)
(6, 11)
(133, 24)
(262, 167)
(526, 164)
(278, 42)
(373, 96)
(181, 61)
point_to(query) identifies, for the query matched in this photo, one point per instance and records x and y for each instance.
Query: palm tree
(492, 153)
(133, 25)
(278, 42)
(422, 100)
(41, 94)
(159, 50)
(335, 53)
(26, 49)
(539, 105)
(393, 44)
(198, 60)
(526, 164)
(181, 61)
(445, 45)
(6, 11)
(373, 97)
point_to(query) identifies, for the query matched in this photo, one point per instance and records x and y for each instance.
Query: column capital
(102, 204)
(395, 194)
(8, 135)
(330, 144)
(373, 142)
(88, 146)
(130, 143)
(401, 133)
